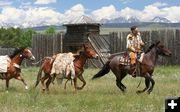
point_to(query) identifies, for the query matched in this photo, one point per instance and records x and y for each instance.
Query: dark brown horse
(146, 67)
(14, 70)
(79, 63)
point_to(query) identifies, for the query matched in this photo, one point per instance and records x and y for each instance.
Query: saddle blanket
(4, 63)
(63, 65)
(125, 60)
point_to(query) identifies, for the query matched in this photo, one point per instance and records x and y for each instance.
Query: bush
(16, 37)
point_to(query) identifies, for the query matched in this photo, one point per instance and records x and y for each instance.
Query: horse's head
(162, 50)
(26, 53)
(89, 52)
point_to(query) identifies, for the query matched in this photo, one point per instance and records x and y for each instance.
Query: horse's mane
(150, 47)
(16, 51)
(78, 55)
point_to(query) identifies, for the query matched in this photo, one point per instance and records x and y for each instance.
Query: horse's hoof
(26, 87)
(124, 92)
(79, 88)
(138, 92)
(149, 92)
(43, 90)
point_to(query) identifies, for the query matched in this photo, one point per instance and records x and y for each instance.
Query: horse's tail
(38, 77)
(103, 71)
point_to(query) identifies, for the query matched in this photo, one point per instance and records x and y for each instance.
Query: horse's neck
(80, 61)
(152, 56)
(17, 59)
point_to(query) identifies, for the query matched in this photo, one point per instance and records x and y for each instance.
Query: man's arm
(129, 45)
(142, 43)
(140, 39)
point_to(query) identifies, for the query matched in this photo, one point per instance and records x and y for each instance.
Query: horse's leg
(7, 85)
(66, 83)
(84, 82)
(75, 83)
(42, 81)
(123, 85)
(119, 77)
(48, 83)
(148, 76)
(119, 85)
(123, 74)
(147, 83)
(53, 76)
(71, 83)
(152, 86)
(21, 79)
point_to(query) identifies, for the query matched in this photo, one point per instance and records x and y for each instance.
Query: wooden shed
(77, 32)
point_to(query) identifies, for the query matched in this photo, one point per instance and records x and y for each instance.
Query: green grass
(100, 95)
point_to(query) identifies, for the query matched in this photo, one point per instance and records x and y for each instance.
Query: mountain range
(134, 20)
(120, 22)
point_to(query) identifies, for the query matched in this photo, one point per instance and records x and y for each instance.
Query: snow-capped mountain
(160, 20)
(133, 20)
(120, 20)
(115, 22)
(6, 25)
(104, 21)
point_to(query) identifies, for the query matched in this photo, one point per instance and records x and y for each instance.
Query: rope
(139, 83)
(37, 62)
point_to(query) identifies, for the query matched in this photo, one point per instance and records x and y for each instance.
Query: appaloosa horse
(14, 70)
(79, 63)
(146, 67)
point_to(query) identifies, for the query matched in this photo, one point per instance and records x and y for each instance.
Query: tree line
(17, 37)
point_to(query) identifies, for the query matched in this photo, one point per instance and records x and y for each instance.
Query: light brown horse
(79, 63)
(14, 70)
(146, 67)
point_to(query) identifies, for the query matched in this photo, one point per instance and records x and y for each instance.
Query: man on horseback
(134, 46)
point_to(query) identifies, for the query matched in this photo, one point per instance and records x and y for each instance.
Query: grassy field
(100, 95)
(108, 30)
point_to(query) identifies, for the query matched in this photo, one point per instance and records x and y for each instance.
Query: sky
(28, 13)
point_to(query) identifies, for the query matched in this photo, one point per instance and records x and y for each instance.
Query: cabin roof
(82, 20)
